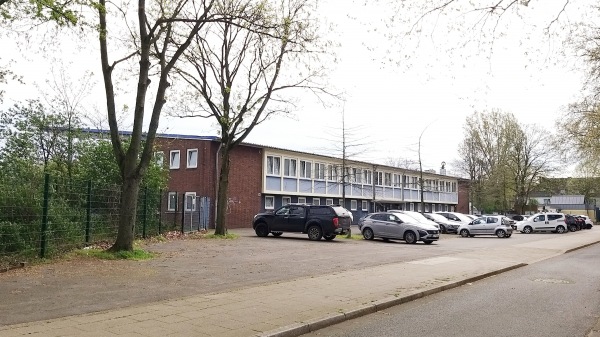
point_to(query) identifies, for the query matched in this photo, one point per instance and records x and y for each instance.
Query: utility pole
(422, 186)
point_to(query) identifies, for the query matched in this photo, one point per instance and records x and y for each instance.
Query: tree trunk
(222, 202)
(127, 214)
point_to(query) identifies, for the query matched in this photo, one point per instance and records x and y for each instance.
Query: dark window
(381, 217)
(283, 210)
(492, 220)
(554, 216)
(540, 218)
(320, 210)
(295, 210)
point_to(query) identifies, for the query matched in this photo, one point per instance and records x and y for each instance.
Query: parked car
(456, 217)
(519, 217)
(588, 222)
(554, 222)
(318, 221)
(399, 226)
(417, 216)
(497, 225)
(446, 225)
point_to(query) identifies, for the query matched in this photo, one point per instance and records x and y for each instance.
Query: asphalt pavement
(298, 306)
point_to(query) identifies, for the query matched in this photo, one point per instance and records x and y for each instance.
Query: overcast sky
(398, 85)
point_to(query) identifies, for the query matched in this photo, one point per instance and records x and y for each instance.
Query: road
(555, 297)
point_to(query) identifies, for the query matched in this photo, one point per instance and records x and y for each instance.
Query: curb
(584, 246)
(297, 329)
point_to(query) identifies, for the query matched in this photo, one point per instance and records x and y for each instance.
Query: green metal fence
(41, 219)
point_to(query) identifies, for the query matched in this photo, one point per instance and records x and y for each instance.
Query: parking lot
(188, 267)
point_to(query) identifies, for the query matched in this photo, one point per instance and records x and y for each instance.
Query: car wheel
(410, 237)
(427, 242)
(509, 235)
(368, 234)
(315, 233)
(572, 228)
(500, 233)
(329, 237)
(261, 230)
(276, 234)
(464, 233)
(560, 229)
(443, 229)
(527, 230)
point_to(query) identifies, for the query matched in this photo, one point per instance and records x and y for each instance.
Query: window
(159, 158)
(273, 165)
(492, 220)
(554, 216)
(367, 174)
(269, 202)
(190, 201)
(289, 167)
(353, 205)
(172, 201)
(414, 182)
(357, 175)
(453, 187)
(365, 205)
(174, 160)
(305, 169)
(388, 179)
(286, 200)
(328, 202)
(546, 201)
(404, 181)
(301, 200)
(379, 178)
(285, 210)
(192, 158)
(397, 180)
(412, 206)
(316, 201)
(320, 171)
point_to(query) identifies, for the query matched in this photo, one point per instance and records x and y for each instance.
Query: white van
(554, 222)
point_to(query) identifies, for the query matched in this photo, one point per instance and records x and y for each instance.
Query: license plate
(435, 236)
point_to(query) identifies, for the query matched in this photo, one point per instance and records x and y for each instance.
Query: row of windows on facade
(355, 175)
(364, 204)
(175, 158)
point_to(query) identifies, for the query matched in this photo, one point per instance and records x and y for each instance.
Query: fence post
(43, 237)
(88, 215)
(144, 216)
(160, 196)
(183, 215)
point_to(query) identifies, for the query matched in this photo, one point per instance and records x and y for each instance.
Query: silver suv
(388, 225)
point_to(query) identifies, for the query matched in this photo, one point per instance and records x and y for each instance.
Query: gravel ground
(187, 267)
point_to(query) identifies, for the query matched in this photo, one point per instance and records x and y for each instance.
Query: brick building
(264, 178)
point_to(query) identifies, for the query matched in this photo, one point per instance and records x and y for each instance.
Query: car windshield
(463, 217)
(437, 217)
(417, 216)
(405, 218)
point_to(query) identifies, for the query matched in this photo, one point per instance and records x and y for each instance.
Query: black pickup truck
(318, 221)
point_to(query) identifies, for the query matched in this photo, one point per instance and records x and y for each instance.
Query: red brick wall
(245, 179)
(463, 197)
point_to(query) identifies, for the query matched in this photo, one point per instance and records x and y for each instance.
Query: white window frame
(365, 205)
(302, 200)
(189, 158)
(368, 177)
(387, 179)
(320, 171)
(290, 167)
(286, 201)
(272, 203)
(169, 195)
(316, 201)
(328, 202)
(186, 204)
(357, 175)
(159, 158)
(397, 180)
(174, 163)
(378, 178)
(274, 166)
(305, 169)
(353, 205)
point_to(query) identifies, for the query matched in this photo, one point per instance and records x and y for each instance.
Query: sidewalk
(295, 307)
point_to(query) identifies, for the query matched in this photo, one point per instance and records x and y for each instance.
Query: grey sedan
(387, 225)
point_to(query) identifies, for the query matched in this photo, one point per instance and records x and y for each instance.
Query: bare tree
(164, 31)
(240, 69)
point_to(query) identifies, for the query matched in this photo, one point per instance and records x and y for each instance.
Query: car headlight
(422, 232)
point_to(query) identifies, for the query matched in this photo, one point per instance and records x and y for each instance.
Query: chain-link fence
(46, 217)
